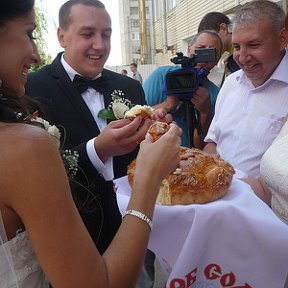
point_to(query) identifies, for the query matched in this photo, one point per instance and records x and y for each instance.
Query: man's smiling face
(86, 41)
(258, 49)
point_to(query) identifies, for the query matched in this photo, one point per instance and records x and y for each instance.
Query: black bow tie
(82, 83)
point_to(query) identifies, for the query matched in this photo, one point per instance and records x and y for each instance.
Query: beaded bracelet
(139, 215)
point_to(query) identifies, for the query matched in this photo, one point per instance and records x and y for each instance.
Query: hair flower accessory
(117, 108)
(51, 129)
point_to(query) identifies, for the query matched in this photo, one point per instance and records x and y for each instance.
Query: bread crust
(157, 129)
(200, 178)
(139, 110)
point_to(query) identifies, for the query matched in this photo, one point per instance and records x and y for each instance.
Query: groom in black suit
(104, 149)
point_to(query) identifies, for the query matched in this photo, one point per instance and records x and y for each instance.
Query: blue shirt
(154, 88)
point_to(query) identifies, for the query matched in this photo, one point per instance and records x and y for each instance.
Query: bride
(42, 236)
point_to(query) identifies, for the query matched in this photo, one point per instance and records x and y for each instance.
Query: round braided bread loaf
(200, 178)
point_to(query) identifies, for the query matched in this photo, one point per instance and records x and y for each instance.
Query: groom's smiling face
(87, 39)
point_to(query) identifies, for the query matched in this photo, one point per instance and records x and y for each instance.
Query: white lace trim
(27, 269)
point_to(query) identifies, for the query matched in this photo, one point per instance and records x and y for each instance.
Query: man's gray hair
(260, 9)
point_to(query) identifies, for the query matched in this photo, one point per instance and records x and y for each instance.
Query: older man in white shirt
(252, 105)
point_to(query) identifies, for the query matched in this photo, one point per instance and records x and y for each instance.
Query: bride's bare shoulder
(18, 140)
(21, 132)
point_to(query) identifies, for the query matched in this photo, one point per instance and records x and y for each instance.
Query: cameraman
(204, 97)
(220, 23)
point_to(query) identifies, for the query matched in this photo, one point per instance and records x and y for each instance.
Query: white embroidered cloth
(236, 241)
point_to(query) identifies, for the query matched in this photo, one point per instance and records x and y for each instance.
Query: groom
(105, 150)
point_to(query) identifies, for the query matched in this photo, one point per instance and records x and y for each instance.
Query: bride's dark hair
(13, 108)
(12, 9)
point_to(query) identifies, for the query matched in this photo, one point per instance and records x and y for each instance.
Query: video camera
(184, 82)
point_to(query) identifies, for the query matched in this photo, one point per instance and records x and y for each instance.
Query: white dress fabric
(274, 170)
(18, 264)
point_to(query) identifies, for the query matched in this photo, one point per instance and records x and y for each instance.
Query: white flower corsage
(51, 129)
(117, 108)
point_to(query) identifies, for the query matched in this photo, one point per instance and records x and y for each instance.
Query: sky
(51, 8)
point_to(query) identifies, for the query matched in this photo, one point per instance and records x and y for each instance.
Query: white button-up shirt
(95, 102)
(247, 119)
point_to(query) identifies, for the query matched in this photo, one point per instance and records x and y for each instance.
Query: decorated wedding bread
(200, 177)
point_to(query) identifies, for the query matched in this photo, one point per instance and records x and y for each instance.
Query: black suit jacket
(63, 106)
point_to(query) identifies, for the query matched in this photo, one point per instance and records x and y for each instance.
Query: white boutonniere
(117, 108)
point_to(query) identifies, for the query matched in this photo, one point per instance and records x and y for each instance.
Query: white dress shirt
(248, 119)
(95, 102)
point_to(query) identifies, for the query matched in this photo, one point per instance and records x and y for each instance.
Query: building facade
(136, 31)
(170, 25)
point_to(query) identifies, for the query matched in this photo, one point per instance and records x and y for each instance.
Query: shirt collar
(70, 71)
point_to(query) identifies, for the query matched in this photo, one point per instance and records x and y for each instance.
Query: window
(136, 50)
(157, 10)
(170, 4)
(133, 10)
(135, 36)
(136, 11)
(147, 11)
(158, 7)
(134, 23)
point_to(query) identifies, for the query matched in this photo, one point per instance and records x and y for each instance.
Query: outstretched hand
(158, 159)
(162, 115)
(121, 137)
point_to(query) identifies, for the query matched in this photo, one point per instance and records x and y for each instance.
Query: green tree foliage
(41, 29)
